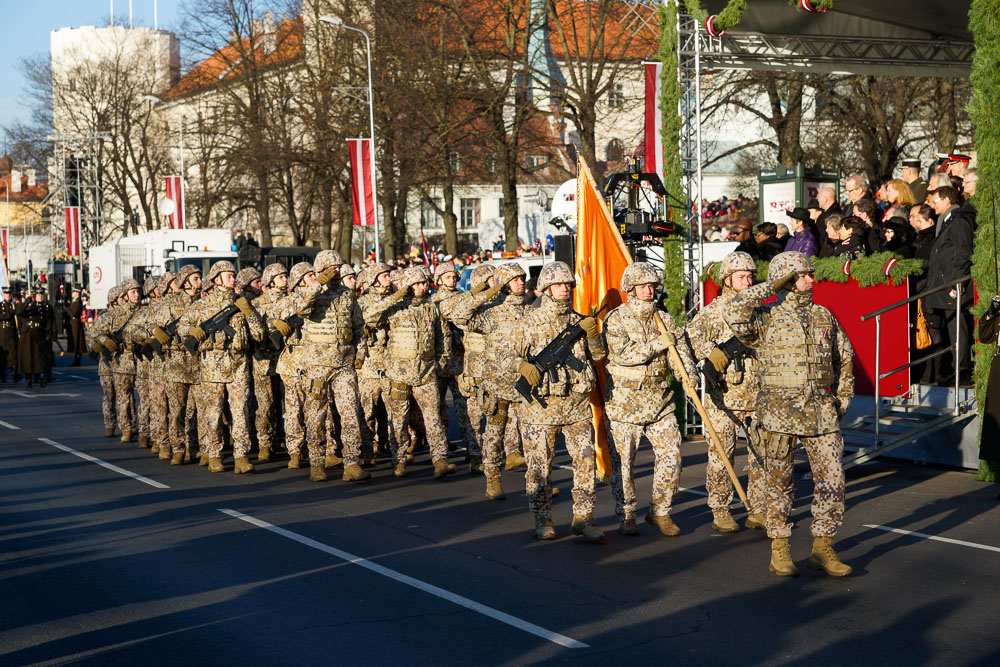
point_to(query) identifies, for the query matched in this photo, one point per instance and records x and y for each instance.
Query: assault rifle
(217, 322)
(277, 340)
(559, 352)
(170, 330)
(736, 352)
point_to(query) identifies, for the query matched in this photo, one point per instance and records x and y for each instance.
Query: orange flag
(601, 258)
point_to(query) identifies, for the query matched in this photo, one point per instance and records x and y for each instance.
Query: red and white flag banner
(73, 231)
(652, 140)
(3, 243)
(363, 194)
(175, 193)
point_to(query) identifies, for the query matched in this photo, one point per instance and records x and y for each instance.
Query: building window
(615, 150)
(500, 207)
(537, 161)
(469, 213)
(429, 217)
(491, 163)
(616, 96)
(454, 162)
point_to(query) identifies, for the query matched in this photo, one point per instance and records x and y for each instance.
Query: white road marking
(530, 628)
(105, 464)
(912, 533)
(25, 394)
(78, 377)
(10, 426)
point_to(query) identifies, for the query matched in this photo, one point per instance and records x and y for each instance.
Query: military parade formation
(333, 370)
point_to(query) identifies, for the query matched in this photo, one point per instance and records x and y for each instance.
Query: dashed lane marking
(10, 426)
(913, 533)
(513, 621)
(105, 464)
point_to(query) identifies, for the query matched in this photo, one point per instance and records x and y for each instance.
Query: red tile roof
(36, 193)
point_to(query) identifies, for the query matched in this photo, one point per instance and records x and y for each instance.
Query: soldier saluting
(806, 384)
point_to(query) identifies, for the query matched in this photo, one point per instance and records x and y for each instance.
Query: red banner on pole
(652, 139)
(175, 193)
(73, 231)
(3, 243)
(363, 194)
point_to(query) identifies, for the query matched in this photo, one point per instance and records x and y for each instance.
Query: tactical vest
(648, 376)
(411, 334)
(561, 380)
(330, 322)
(796, 353)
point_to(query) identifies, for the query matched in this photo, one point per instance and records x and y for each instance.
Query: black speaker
(563, 249)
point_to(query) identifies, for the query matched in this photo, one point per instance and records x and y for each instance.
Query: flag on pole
(652, 139)
(363, 194)
(3, 243)
(73, 231)
(600, 261)
(175, 193)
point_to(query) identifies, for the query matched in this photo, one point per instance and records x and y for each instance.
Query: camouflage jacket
(137, 332)
(498, 321)
(178, 364)
(265, 357)
(565, 391)
(223, 359)
(456, 360)
(124, 360)
(708, 329)
(289, 364)
(418, 345)
(806, 376)
(96, 334)
(639, 369)
(332, 329)
(459, 312)
(375, 338)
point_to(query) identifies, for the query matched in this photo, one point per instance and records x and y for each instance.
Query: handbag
(923, 338)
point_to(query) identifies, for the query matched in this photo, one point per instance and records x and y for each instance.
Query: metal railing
(955, 347)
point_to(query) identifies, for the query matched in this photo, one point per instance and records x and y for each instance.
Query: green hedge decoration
(868, 271)
(731, 14)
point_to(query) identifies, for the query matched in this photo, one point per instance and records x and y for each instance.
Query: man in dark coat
(8, 335)
(75, 312)
(950, 259)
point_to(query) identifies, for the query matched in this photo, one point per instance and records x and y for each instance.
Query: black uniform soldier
(75, 312)
(8, 335)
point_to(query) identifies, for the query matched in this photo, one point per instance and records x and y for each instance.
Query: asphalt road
(144, 563)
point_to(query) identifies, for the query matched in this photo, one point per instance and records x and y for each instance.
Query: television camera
(641, 222)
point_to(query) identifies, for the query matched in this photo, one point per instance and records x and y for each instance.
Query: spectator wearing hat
(911, 174)
(815, 210)
(805, 239)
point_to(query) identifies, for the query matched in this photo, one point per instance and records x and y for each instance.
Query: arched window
(615, 151)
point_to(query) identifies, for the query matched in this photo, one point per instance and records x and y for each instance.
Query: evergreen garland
(731, 14)
(985, 80)
(867, 271)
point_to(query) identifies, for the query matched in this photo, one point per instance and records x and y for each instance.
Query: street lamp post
(337, 22)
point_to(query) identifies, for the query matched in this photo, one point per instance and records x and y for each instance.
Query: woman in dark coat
(989, 437)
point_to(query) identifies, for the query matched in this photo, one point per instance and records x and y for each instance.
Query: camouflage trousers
(460, 403)
(295, 425)
(623, 441)
(125, 401)
(717, 482)
(108, 400)
(369, 391)
(825, 453)
(540, 449)
(340, 388)
(142, 408)
(501, 436)
(265, 414)
(157, 395)
(427, 400)
(182, 416)
(213, 399)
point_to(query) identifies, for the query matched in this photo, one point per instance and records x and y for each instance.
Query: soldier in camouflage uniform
(274, 282)
(372, 384)
(446, 277)
(566, 394)
(225, 367)
(806, 384)
(349, 278)
(731, 403)
(159, 437)
(417, 349)
(135, 336)
(248, 283)
(101, 328)
(331, 334)
(638, 399)
(300, 277)
(123, 364)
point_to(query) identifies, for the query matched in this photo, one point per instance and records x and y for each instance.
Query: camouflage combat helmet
(412, 276)
(113, 294)
(150, 284)
(788, 262)
(186, 272)
(127, 285)
(736, 261)
(639, 273)
(507, 272)
(218, 269)
(443, 269)
(165, 280)
(556, 272)
(297, 272)
(481, 274)
(327, 258)
(246, 276)
(346, 270)
(372, 273)
(272, 271)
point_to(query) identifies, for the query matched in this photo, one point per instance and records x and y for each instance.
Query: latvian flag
(361, 181)
(175, 193)
(653, 142)
(73, 231)
(3, 243)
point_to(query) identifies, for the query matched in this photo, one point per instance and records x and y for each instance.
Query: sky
(25, 26)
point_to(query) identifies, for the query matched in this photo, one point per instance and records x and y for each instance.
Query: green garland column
(984, 22)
